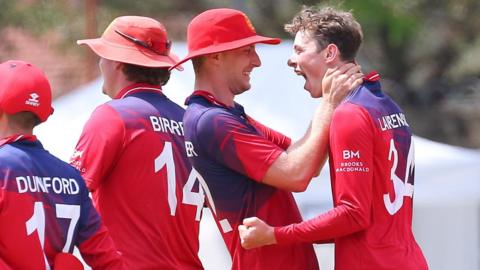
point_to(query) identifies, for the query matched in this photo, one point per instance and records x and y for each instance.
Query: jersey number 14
(189, 197)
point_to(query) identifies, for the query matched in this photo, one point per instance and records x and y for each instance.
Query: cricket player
(45, 210)
(132, 151)
(246, 168)
(371, 159)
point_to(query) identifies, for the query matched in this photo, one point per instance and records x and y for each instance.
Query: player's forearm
(100, 253)
(322, 128)
(338, 222)
(321, 119)
(310, 154)
(294, 168)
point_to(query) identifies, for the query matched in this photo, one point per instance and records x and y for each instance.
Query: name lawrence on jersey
(392, 121)
(58, 185)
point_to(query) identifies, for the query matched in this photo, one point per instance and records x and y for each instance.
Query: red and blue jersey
(45, 210)
(231, 154)
(372, 174)
(132, 156)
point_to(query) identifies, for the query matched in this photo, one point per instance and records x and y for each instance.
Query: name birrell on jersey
(348, 165)
(392, 121)
(47, 184)
(166, 125)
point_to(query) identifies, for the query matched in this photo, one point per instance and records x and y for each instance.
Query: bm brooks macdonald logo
(77, 154)
(33, 100)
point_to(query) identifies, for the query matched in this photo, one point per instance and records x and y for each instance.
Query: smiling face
(309, 62)
(236, 66)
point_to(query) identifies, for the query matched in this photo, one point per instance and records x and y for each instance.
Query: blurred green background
(428, 52)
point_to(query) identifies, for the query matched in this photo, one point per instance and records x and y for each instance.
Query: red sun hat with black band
(136, 40)
(219, 30)
(24, 88)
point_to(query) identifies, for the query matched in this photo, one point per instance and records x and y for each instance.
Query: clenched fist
(256, 233)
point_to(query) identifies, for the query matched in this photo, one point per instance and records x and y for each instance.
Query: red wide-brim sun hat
(134, 40)
(219, 30)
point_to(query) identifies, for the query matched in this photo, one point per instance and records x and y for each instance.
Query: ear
(332, 52)
(213, 58)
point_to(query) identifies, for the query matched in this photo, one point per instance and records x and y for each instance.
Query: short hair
(329, 26)
(150, 75)
(25, 120)
(197, 63)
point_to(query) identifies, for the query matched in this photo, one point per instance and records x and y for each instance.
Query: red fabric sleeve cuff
(260, 173)
(282, 234)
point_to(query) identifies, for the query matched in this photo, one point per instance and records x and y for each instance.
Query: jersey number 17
(37, 223)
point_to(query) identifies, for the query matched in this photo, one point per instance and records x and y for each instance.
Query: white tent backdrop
(447, 183)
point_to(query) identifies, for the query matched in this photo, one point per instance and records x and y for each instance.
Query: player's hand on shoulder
(339, 81)
(256, 233)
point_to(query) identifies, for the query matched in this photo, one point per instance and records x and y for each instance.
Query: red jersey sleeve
(99, 251)
(351, 154)
(274, 136)
(236, 145)
(101, 140)
(67, 261)
(2, 197)
(4, 265)
(95, 243)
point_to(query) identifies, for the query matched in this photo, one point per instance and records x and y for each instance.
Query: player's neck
(121, 83)
(218, 90)
(338, 62)
(9, 130)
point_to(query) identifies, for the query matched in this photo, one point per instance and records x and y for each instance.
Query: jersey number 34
(401, 187)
